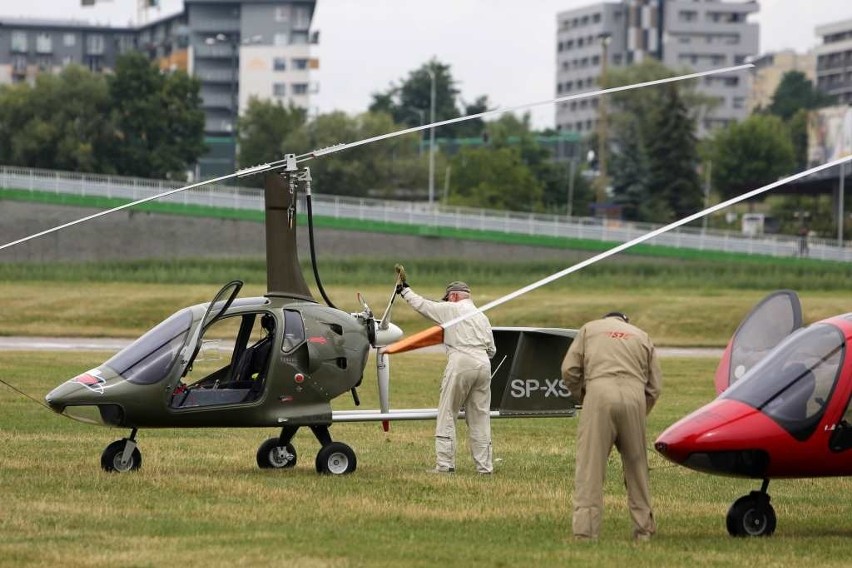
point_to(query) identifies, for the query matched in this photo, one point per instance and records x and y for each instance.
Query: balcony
(216, 25)
(216, 76)
(217, 51)
(216, 100)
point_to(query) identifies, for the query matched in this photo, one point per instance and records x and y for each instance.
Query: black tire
(272, 455)
(751, 516)
(336, 459)
(111, 458)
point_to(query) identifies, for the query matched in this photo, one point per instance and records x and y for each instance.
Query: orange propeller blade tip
(426, 338)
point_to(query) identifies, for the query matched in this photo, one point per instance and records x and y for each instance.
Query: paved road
(114, 344)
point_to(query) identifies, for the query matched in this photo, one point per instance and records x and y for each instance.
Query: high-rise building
(238, 49)
(694, 35)
(834, 60)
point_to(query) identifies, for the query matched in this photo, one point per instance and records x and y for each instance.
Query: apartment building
(686, 35)
(238, 49)
(834, 60)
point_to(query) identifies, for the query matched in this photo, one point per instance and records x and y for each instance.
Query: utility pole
(603, 180)
(432, 139)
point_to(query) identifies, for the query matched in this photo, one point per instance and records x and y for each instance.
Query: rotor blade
(421, 339)
(246, 171)
(498, 111)
(332, 149)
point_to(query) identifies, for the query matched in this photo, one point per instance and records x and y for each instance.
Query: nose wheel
(122, 455)
(752, 514)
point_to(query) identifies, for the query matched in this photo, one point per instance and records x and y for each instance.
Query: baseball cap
(456, 286)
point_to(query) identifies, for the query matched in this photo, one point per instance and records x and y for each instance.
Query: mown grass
(199, 499)
(620, 273)
(673, 317)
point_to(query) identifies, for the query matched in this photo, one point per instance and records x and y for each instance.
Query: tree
(379, 168)
(494, 178)
(629, 170)
(673, 159)
(263, 127)
(653, 145)
(410, 102)
(61, 122)
(750, 154)
(795, 92)
(158, 121)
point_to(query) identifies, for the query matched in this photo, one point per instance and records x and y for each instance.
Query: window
(95, 44)
(687, 15)
(19, 42)
(19, 64)
(279, 63)
(739, 102)
(281, 38)
(69, 40)
(94, 63)
(294, 331)
(44, 43)
(299, 38)
(282, 14)
(45, 62)
(279, 89)
(302, 17)
(300, 64)
(300, 88)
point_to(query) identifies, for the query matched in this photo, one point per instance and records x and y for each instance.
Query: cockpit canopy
(793, 382)
(149, 358)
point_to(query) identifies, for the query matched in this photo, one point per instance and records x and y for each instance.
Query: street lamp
(432, 138)
(602, 124)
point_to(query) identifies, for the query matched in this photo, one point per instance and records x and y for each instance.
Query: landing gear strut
(752, 514)
(334, 458)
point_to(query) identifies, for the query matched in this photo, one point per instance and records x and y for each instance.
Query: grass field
(200, 500)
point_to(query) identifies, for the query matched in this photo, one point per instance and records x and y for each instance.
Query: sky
(504, 49)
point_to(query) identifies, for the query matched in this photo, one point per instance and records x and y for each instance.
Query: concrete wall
(136, 235)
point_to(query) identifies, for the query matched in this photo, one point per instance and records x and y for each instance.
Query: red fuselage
(731, 437)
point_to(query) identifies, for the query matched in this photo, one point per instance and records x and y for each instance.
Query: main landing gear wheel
(113, 457)
(273, 455)
(336, 458)
(751, 515)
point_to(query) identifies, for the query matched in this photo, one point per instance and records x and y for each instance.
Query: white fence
(421, 214)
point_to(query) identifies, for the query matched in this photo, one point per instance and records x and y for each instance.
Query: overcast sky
(501, 48)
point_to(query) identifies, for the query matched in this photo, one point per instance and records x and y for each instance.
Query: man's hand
(400, 273)
(401, 287)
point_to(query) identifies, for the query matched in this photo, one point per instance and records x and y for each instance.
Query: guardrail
(421, 214)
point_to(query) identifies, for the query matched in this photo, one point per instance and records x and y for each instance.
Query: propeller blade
(383, 323)
(426, 338)
(383, 378)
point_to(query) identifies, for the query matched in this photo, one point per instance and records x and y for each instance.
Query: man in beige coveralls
(612, 369)
(467, 377)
